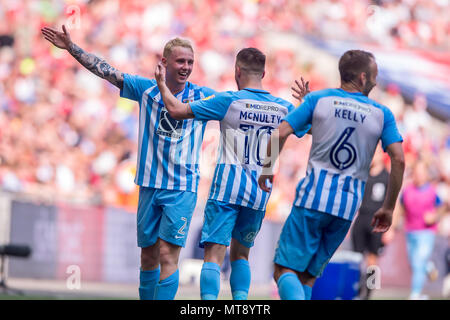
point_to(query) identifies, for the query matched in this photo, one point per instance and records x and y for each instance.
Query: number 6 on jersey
(342, 146)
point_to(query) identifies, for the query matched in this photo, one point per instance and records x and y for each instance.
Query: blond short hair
(177, 42)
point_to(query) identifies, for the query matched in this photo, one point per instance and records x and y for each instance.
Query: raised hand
(59, 39)
(160, 73)
(301, 89)
(88, 60)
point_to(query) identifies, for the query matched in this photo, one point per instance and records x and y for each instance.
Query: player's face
(371, 78)
(179, 65)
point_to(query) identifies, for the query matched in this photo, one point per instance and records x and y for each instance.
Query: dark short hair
(353, 63)
(251, 60)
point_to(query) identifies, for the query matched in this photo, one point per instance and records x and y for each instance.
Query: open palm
(301, 90)
(59, 39)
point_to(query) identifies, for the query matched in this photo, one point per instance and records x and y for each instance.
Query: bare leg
(215, 252)
(168, 255)
(150, 257)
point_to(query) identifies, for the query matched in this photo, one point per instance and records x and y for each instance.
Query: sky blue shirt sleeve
(290, 107)
(135, 86)
(301, 117)
(213, 107)
(207, 92)
(390, 132)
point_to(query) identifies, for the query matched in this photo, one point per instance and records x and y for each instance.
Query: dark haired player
(236, 205)
(345, 126)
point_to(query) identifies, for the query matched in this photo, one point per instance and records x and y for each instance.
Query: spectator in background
(419, 203)
(394, 100)
(417, 117)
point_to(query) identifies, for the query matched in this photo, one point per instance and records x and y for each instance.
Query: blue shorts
(224, 221)
(164, 214)
(309, 239)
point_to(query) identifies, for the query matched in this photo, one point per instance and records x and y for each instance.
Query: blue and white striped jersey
(345, 128)
(168, 149)
(247, 119)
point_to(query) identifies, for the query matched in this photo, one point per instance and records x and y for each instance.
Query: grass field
(34, 289)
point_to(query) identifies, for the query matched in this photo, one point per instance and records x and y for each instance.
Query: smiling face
(179, 64)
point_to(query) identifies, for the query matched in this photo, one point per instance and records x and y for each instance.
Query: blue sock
(210, 281)
(147, 283)
(240, 279)
(290, 287)
(167, 289)
(308, 292)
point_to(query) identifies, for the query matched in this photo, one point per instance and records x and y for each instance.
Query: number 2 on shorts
(181, 230)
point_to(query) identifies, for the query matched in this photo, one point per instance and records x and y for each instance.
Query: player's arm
(300, 90)
(90, 61)
(382, 219)
(177, 109)
(278, 138)
(298, 122)
(397, 221)
(399, 215)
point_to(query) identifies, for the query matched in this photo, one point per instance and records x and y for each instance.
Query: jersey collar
(256, 90)
(354, 93)
(186, 87)
(155, 94)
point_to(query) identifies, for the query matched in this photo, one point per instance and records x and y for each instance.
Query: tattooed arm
(96, 65)
(90, 61)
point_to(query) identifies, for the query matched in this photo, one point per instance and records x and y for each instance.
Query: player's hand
(300, 89)
(59, 39)
(160, 73)
(382, 220)
(265, 182)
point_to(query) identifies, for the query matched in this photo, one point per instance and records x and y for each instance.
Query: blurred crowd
(391, 23)
(66, 135)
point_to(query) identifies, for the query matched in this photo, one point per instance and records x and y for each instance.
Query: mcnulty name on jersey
(259, 117)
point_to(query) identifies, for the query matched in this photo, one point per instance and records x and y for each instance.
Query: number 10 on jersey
(253, 143)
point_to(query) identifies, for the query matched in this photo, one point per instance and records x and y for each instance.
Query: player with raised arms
(168, 159)
(346, 126)
(236, 206)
